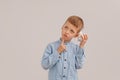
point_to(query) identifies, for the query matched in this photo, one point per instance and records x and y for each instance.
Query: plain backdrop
(27, 26)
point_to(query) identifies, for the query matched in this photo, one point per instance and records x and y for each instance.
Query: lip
(65, 35)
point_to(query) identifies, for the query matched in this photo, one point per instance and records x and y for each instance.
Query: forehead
(71, 26)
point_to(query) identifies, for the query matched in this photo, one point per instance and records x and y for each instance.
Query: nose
(67, 31)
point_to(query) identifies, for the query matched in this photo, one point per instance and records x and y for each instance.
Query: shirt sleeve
(79, 58)
(50, 57)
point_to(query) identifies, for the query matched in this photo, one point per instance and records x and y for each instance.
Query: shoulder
(54, 43)
(73, 45)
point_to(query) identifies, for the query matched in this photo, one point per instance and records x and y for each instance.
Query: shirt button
(64, 67)
(63, 75)
(64, 59)
(59, 56)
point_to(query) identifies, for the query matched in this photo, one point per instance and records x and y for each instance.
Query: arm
(50, 57)
(79, 58)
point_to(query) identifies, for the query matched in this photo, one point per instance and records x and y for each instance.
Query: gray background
(27, 26)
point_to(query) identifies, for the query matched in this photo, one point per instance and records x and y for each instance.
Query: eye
(72, 31)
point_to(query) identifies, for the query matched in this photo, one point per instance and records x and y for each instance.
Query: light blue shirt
(64, 66)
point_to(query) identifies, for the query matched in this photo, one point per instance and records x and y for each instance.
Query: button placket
(59, 56)
(65, 59)
(65, 65)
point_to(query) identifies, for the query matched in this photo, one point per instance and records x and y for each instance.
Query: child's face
(69, 31)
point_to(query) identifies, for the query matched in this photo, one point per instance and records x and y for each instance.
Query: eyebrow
(65, 26)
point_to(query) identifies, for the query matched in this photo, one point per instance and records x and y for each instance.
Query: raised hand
(62, 47)
(84, 40)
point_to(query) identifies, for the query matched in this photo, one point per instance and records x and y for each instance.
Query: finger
(86, 37)
(82, 36)
(81, 33)
(62, 42)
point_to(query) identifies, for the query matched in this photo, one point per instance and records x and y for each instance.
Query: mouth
(65, 35)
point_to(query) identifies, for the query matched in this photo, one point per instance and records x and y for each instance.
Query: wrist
(81, 46)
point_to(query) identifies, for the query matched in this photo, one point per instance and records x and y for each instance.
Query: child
(63, 57)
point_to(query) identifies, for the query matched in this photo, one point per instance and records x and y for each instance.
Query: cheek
(70, 36)
(63, 31)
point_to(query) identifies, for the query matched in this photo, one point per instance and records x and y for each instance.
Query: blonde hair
(76, 21)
